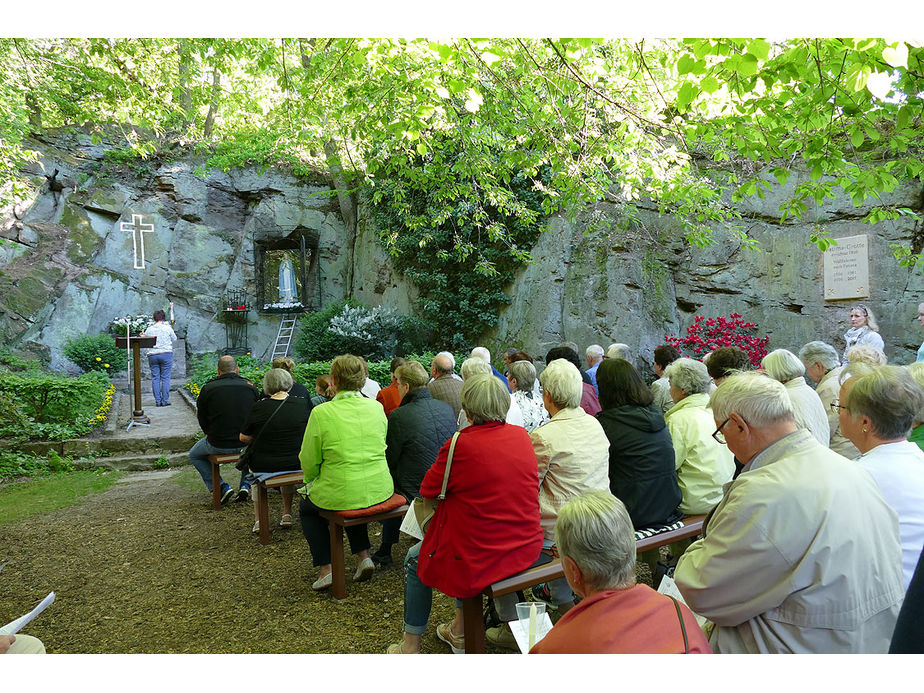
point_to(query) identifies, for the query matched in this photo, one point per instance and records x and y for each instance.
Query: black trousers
(317, 533)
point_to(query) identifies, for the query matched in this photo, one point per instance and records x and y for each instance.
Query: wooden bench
(472, 619)
(217, 460)
(262, 500)
(337, 524)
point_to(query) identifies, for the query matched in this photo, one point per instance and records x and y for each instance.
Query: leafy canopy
(616, 120)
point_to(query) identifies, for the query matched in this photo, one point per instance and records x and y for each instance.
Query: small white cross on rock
(137, 228)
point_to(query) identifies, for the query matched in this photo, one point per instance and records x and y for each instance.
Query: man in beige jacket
(802, 554)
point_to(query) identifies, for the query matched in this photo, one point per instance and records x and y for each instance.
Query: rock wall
(67, 267)
(608, 279)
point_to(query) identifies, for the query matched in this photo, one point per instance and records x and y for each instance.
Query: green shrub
(201, 369)
(16, 364)
(95, 353)
(44, 406)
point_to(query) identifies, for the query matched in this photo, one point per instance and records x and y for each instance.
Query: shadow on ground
(149, 567)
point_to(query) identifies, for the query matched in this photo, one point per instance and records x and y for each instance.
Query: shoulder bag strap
(452, 449)
(263, 428)
(683, 628)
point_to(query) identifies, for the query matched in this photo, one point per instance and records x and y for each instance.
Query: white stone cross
(137, 228)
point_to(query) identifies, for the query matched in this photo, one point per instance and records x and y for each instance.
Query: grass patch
(26, 498)
(189, 479)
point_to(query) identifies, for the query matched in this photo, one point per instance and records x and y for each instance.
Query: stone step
(136, 462)
(109, 446)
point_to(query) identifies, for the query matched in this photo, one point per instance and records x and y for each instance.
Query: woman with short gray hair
(273, 431)
(488, 522)
(476, 366)
(703, 464)
(521, 376)
(784, 366)
(616, 616)
(877, 411)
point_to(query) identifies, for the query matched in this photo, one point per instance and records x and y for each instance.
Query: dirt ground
(149, 567)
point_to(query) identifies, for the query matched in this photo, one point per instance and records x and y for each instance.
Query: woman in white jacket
(864, 331)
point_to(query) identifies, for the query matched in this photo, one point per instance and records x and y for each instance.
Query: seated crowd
(814, 496)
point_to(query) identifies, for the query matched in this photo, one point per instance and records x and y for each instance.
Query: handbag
(424, 508)
(247, 453)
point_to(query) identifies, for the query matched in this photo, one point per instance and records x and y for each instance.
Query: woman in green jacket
(343, 457)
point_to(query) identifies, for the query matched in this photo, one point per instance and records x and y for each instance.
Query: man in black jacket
(223, 405)
(417, 430)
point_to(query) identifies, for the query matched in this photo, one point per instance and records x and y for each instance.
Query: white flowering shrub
(373, 333)
(375, 330)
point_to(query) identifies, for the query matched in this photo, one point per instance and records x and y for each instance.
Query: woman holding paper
(487, 528)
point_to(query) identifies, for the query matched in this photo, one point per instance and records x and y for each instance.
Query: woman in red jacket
(486, 528)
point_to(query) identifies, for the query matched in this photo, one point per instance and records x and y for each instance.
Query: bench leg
(263, 513)
(473, 625)
(337, 561)
(216, 488)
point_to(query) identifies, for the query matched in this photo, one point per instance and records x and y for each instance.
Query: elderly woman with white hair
(616, 615)
(784, 366)
(823, 366)
(486, 528)
(474, 365)
(703, 464)
(572, 453)
(877, 411)
(273, 431)
(521, 375)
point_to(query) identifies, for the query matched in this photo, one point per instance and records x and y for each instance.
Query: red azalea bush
(708, 334)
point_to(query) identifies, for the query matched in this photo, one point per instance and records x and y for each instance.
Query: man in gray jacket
(802, 554)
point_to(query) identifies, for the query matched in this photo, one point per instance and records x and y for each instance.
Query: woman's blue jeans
(161, 367)
(418, 597)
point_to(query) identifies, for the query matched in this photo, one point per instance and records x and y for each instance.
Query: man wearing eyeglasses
(802, 553)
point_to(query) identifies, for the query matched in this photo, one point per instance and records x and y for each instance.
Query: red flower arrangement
(708, 334)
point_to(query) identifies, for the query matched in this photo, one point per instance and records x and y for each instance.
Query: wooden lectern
(136, 343)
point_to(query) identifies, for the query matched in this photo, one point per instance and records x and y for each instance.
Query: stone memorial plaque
(847, 269)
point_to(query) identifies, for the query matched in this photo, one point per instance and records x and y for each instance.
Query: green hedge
(48, 406)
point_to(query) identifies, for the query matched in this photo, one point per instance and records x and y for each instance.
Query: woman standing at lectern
(160, 357)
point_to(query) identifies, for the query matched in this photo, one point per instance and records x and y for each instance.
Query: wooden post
(138, 417)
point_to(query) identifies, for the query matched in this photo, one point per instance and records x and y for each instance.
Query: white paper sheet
(669, 587)
(520, 630)
(13, 627)
(410, 526)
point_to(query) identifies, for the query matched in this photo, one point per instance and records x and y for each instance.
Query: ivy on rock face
(460, 255)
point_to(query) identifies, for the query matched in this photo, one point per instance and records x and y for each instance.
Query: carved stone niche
(271, 250)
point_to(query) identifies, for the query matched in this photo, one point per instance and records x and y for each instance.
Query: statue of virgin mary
(287, 290)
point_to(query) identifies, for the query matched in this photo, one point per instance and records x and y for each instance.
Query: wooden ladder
(285, 335)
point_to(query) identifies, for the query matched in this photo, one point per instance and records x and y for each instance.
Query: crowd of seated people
(568, 458)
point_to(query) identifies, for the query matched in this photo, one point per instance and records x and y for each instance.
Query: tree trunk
(184, 97)
(35, 112)
(348, 205)
(306, 55)
(213, 106)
